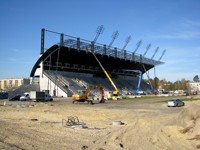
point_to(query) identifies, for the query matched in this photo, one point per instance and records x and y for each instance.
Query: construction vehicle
(116, 91)
(84, 96)
(137, 92)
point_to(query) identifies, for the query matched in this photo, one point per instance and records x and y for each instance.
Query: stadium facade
(69, 66)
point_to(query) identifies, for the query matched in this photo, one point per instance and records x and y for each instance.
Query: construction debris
(73, 122)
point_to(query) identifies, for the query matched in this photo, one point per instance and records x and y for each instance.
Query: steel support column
(42, 41)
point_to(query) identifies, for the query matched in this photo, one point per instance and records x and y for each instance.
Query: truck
(40, 96)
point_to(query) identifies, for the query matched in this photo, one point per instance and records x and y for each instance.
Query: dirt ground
(146, 125)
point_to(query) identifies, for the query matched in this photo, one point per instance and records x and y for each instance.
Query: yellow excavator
(84, 96)
(116, 91)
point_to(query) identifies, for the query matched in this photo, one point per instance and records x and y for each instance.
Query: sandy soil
(146, 125)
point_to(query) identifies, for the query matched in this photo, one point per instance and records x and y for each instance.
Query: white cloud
(190, 24)
(185, 35)
(11, 59)
(186, 30)
(16, 50)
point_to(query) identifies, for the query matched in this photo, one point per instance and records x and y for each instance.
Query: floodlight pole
(99, 31)
(162, 55)
(147, 49)
(156, 50)
(137, 46)
(114, 36)
(128, 39)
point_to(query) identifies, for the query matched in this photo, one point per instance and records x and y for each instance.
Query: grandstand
(69, 66)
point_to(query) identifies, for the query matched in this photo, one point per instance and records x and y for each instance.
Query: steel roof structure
(73, 54)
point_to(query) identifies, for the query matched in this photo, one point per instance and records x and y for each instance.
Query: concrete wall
(47, 84)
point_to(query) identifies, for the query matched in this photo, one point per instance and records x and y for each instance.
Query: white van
(25, 96)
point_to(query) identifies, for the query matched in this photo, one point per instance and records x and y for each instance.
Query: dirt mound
(144, 133)
(189, 120)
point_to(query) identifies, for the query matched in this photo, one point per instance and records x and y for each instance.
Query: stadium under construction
(69, 66)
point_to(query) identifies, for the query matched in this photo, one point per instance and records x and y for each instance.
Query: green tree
(196, 78)
(181, 85)
(155, 82)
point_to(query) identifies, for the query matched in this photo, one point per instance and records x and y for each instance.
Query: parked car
(185, 93)
(175, 103)
(17, 97)
(141, 93)
(25, 96)
(3, 95)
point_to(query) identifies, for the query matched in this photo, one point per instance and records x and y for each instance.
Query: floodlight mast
(128, 39)
(163, 53)
(147, 49)
(137, 46)
(156, 50)
(114, 36)
(99, 31)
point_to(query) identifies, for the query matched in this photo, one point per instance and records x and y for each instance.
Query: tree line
(171, 86)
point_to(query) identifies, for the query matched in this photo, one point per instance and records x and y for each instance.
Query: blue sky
(173, 25)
